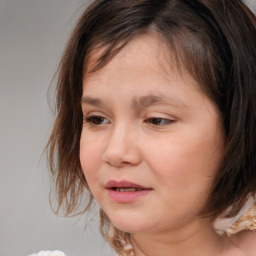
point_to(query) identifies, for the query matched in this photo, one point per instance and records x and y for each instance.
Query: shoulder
(246, 241)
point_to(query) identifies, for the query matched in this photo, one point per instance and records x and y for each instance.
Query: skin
(147, 124)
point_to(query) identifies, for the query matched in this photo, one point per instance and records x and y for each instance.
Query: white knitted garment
(49, 253)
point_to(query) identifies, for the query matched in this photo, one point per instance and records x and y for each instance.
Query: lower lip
(126, 197)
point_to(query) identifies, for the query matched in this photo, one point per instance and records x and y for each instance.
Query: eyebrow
(148, 100)
(91, 101)
(143, 101)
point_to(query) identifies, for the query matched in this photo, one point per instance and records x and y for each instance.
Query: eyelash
(99, 120)
(158, 120)
(94, 120)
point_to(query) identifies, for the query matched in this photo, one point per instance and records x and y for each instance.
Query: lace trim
(120, 241)
(246, 222)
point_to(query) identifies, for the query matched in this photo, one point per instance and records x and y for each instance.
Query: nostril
(120, 153)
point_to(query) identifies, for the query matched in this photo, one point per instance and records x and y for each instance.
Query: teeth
(126, 189)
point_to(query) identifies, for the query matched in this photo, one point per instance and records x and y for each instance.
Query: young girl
(156, 121)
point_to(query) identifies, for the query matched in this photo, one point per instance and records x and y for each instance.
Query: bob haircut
(213, 40)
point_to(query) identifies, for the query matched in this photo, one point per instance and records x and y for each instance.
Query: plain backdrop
(32, 37)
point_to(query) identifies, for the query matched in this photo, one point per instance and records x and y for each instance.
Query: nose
(122, 148)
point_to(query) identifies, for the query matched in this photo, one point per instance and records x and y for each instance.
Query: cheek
(89, 158)
(90, 162)
(187, 164)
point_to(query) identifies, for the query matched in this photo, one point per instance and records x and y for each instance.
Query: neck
(193, 239)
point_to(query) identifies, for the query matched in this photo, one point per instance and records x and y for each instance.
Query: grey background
(32, 36)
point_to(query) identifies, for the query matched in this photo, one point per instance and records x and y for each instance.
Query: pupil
(98, 120)
(157, 121)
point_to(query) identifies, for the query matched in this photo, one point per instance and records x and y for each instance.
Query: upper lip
(123, 184)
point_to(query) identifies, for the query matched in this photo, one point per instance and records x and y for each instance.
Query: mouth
(127, 189)
(125, 192)
(125, 186)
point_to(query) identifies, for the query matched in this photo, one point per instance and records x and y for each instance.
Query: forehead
(145, 54)
(101, 54)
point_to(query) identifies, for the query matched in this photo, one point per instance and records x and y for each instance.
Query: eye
(159, 121)
(95, 120)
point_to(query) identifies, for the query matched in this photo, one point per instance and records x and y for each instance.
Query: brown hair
(214, 40)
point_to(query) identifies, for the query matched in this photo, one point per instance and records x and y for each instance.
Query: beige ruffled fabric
(245, 220)
(120, 241)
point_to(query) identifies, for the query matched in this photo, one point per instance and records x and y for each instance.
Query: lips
(125, 191)
(125, 185)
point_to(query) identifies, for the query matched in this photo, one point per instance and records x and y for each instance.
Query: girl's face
(151, 141)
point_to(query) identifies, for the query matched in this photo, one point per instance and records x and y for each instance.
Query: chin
(130, 227)
(129, 223)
